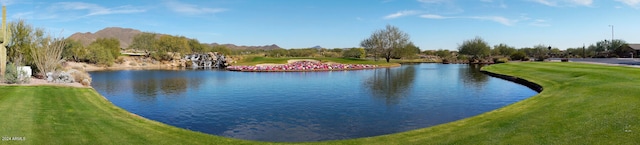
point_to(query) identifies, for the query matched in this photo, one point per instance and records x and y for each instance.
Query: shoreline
(525, 114)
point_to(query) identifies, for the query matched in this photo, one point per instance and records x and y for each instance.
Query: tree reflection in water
(391, 84)
(173, 86)
(472, 77)
(147, 90)
(170, 85)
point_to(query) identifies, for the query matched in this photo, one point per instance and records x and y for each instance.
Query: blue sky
(432, 24)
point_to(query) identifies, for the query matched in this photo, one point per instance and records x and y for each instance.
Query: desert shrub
(12, 75)
(81, 76)
(500, 60)
(120, 60)
(519, 56)
(133, 64)
(541, 58)
(85, 82)
(160, 56)
(353, 53)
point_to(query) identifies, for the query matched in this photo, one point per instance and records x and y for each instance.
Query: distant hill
(232, 46)
(125, 35)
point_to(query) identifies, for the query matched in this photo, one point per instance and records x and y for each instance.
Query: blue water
(308, 106)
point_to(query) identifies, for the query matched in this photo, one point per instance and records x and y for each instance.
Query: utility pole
(611, 44)
(611, 32)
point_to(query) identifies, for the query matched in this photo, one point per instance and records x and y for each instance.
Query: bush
(541, 58)
(12, 75)
(353, 53)
(120, 60)
(161, 56)
(500, 60)
(133, 63)
(519, 56)
(82, 77)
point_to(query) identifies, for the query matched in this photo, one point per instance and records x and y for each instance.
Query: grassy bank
(64, 115)
(580, 104)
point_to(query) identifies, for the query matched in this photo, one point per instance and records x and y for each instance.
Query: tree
(46, 51)
(541, 52)
(100, 55)
(370, 46)
(476, 47)
(518, 55)
(443, 53)
(354, 53)
(624, 51)
(385, 41)
(20, 42)
(196, 46)
(103, 51)
(111, 44)
(221, 49)
(503, 49)
(74, 50)
(409, 50)
(143, 41)
(176, 44)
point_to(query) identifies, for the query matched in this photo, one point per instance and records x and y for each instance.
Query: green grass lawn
(580, 104)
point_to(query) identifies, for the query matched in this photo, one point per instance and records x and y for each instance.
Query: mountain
(232, 46)
(125, 35)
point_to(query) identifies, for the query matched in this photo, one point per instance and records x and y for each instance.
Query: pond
(309, 106)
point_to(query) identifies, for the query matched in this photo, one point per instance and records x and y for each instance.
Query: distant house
(636, 49)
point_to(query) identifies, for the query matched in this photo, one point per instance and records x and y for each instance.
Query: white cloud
(432, 16)
(441, 6)
(432, 1)
(387, 1)
(545, 2)
(540, 23)
(7, 2)
(22, 15)
(191, 9)
(499, 19)
(401, 14)
(582, 2)
(94, 9)
(632, 3)
(499, 4)
(558, 3)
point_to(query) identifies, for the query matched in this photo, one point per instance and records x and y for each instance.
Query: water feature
(309, 106)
